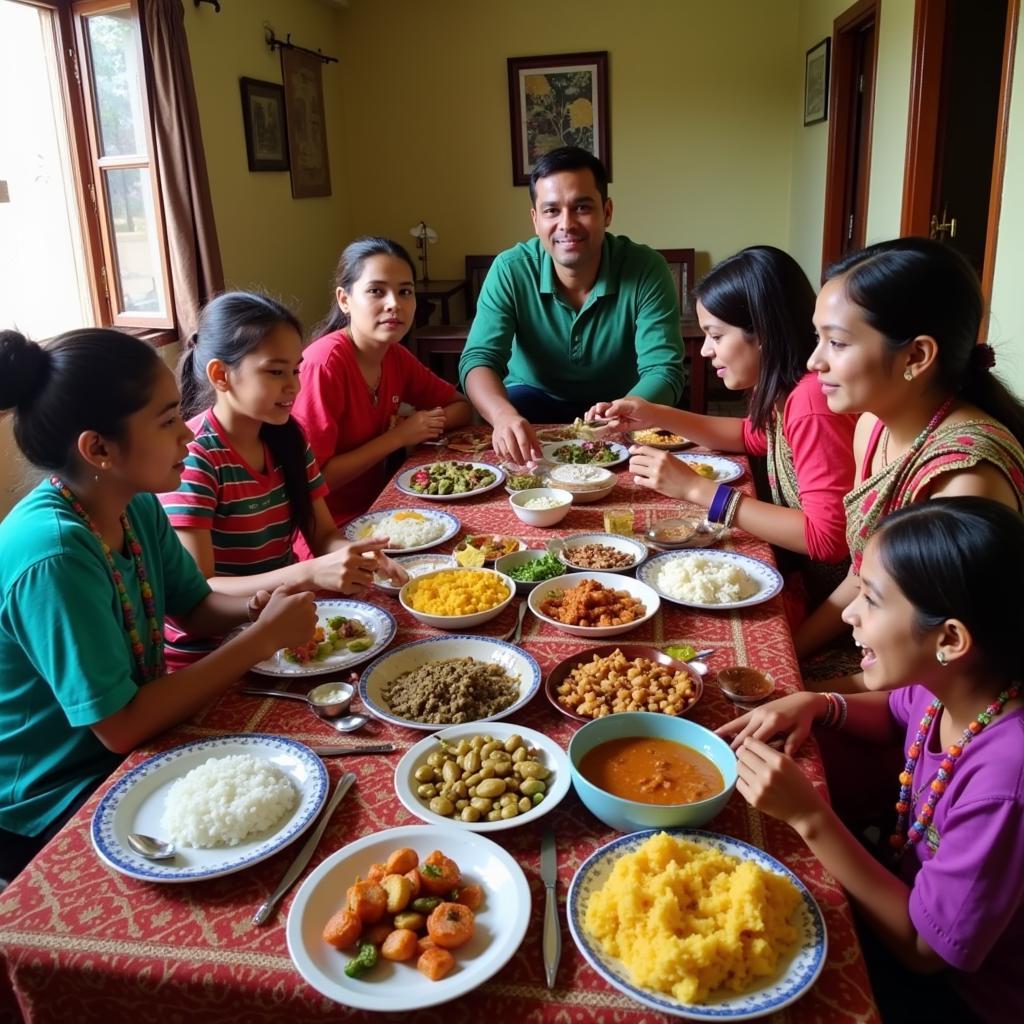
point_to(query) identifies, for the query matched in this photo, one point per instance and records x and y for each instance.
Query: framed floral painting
(558, 100)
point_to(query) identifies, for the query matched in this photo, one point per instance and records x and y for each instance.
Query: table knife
(366, 748)
(263, 914)
(552, 938)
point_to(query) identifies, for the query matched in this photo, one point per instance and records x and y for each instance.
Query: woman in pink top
(755, 310)
(357, 374)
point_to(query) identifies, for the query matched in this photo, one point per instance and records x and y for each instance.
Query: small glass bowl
(745, 685)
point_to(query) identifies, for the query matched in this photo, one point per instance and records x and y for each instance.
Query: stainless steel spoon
(150, 847)
(323, 699)
(348, 723)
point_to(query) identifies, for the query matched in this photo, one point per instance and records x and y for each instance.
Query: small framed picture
(816, 82)
(558, 100)
(266, 138)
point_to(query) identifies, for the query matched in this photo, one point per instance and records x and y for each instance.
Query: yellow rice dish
(456, 592)
(690, 922)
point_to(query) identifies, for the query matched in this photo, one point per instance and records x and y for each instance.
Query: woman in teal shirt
(88, 567)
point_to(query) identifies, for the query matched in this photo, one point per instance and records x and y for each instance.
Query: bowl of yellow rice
(457, 598)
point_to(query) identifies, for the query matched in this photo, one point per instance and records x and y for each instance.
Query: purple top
(967, 873)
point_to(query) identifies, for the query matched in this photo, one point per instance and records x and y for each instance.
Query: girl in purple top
(935, 605)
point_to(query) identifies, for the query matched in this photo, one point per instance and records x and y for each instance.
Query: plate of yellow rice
(697, 925)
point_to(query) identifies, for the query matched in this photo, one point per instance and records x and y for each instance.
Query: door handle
(939, 230)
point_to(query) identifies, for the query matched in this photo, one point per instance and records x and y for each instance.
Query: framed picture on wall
(816, 82)
(558, 100)
(266, 141)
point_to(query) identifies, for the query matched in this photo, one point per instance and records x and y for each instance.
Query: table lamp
(424, 236)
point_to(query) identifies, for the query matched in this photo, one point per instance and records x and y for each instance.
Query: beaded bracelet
(731, 509)
(835, 715)
(716, 510)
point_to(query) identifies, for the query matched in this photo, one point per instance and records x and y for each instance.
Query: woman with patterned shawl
(755, 310)
(897, 327)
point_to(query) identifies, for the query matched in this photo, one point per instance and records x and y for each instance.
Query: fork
(516, 632)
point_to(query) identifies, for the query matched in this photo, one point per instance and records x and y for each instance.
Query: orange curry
(651, 770)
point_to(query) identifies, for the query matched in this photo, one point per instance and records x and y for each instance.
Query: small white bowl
(640, 591)
(541, 516)
(634, 548)
(457, 621)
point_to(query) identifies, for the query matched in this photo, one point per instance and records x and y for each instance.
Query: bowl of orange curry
(639, 770)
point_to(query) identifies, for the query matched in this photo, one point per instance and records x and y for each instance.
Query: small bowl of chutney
(745, 685)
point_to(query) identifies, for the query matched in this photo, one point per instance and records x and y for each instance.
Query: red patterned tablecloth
(82, 943)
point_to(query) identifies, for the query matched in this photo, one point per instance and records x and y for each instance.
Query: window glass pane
(133, 220)
(116, 76)
(44, 286)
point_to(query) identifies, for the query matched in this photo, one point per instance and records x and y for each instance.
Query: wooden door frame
(844, 30)
(922, 130)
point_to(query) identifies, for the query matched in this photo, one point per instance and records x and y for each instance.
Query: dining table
(80, 942)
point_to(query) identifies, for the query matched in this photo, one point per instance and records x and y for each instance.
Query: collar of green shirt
(607, 282)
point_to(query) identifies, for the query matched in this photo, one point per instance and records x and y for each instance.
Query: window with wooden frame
(86, 240)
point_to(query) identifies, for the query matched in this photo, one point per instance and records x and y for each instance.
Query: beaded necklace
(938, 785)
(156, 636)
(940, 415)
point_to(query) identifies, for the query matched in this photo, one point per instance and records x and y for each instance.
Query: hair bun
(24, 370)
(983, 358)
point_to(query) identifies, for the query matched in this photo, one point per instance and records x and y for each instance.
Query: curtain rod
(286, 44)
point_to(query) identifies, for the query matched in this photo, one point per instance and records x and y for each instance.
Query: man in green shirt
(572, 317)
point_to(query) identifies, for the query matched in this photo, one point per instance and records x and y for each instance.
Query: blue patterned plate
(795, 979)
(135, 803)
(362, 526)
(768, 579)
(726, 470)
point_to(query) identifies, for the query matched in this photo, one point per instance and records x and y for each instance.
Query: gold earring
(908, 374)
(104, 465)
(940, 657)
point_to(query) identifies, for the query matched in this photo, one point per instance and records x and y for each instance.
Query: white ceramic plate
(361, 527)
(416, 565)
(620, 451)
(404, 481)
(768, 578)
(516, 662)
(796, 978)
(379, 622)
(635, 548)
(726, 470)
(398, 987)
(135, 803)
(459, 621)
(636, 588)
(552, 757)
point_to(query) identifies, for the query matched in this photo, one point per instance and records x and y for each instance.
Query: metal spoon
(348, 723)
(150, 847)
(325, 709)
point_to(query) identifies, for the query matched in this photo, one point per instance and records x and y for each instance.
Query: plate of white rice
(409, 529)
(226, 803)
(710, 578)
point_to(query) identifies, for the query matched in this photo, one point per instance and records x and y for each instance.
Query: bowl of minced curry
(639, 770)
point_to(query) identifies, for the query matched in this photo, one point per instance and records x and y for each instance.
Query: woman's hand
(773, 783)
(625, 413)
(424, 425)
(349, 568)
(286, 620)
(791, 716)
(662, 473)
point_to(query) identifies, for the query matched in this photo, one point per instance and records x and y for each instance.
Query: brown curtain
(195, 267)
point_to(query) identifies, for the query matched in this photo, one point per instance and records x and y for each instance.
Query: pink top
(339, 414)
(822, 446)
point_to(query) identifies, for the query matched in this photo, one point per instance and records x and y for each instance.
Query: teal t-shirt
(65, 659)
(625, 339)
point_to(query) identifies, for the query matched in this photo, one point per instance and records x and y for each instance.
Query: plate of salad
(586, 453)
(449, 480)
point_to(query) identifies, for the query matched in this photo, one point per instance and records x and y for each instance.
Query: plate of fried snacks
(594, 604)
(746, 937)
(469, 441)
(655, 437)
(347, 634)
(714, 467)
(443, 779)
(490, 545)
(408, 918)
(622, 677)
(449, 480)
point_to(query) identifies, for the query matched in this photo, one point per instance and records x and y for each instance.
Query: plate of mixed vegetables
(347, 634)
(586, 453)
(449, 480)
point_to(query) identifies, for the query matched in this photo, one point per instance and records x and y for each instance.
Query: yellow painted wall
(268, 239)
(701, 95)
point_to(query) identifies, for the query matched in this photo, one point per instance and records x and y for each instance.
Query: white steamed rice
(408, 532)
(706, 581)
(227, 799)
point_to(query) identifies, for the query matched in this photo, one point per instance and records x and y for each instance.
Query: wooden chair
(680, 263)
(448, 340)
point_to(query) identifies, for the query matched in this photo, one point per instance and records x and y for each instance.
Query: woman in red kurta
(357, 374)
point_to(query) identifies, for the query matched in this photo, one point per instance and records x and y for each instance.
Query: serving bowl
(541, 516)
(552, 756)
(636, 589)
(563, 548)
(583, 491)
(631, 815)
(411, 656)
(629, 651)
(519, 558)
(467, 621)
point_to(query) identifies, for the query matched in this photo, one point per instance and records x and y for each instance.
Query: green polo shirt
(65, 659)
(625, 339)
